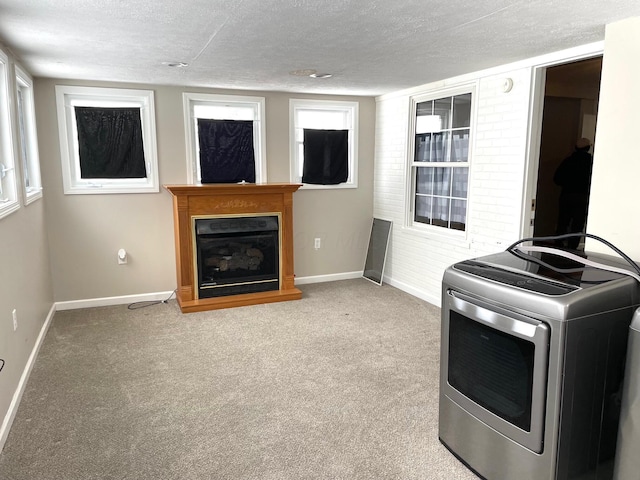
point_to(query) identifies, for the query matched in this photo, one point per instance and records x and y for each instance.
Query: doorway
(569, 112)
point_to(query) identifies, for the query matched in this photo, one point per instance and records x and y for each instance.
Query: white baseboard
(17, 396)
(421, 294)
(328, 278)
(107, 301)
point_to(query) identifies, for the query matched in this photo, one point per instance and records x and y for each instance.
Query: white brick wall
(416, 262)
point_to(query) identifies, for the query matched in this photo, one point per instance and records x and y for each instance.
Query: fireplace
(236, 255)
(234, 244)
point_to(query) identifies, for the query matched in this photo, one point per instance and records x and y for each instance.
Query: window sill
(311, 186)
(454, 238)
(109, 189)
(32, 195)
(8, 208)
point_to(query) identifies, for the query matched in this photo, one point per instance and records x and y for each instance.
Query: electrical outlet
(15, 319)
(316, 243)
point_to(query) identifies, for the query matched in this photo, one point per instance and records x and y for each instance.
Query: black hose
(633, 264)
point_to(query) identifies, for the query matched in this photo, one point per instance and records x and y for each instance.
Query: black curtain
(226, 151)
(110, 142)
(326, 157)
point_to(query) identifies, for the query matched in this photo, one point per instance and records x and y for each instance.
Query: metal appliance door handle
(522, 327)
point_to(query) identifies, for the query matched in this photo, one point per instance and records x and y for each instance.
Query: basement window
(107, 140)
(323, 143)
(28, 138)
(225, 137)
(8, 184)
(440, 159)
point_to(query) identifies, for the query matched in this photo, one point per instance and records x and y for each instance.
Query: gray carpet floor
(342, 384)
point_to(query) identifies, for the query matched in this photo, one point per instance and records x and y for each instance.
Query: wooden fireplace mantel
(230, 199)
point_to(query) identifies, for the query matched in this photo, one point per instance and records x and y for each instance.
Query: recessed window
(324, 148)
(28, 138)
(225, 138)
(8, 185)
(107, 140)
(440, 160)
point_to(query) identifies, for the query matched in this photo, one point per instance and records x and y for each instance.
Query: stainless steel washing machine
(532, 363)
(627, 464)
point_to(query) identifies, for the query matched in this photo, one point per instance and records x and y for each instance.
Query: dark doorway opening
(569, 113)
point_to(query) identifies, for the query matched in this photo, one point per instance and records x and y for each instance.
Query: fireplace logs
(238, 256)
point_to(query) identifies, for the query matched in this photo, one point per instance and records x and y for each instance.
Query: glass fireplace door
(237, 255)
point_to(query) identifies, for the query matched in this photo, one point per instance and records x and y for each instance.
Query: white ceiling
(370, 46)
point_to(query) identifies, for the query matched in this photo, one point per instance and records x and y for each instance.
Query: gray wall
(25, 285)
(86, 231)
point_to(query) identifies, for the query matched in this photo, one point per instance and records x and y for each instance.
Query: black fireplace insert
(237, 255)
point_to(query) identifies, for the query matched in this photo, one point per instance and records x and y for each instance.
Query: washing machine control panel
(514, 279)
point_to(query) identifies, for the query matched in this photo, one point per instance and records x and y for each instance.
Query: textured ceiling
(370, 46)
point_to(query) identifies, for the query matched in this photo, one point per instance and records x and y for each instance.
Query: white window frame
(27, 137)
(9, 201)
(350, 110)
(68, 97)
(256, 104)
(410, 223)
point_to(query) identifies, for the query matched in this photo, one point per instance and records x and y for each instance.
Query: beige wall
(86, 231)
(613, 209)
(25, 285)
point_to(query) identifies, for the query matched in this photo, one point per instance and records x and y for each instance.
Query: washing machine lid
(542, 272)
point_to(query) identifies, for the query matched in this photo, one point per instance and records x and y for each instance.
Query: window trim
(190, 100)
(410, 189)
(68, 96)
(352, 108)
(7, 142)
(31, 169)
